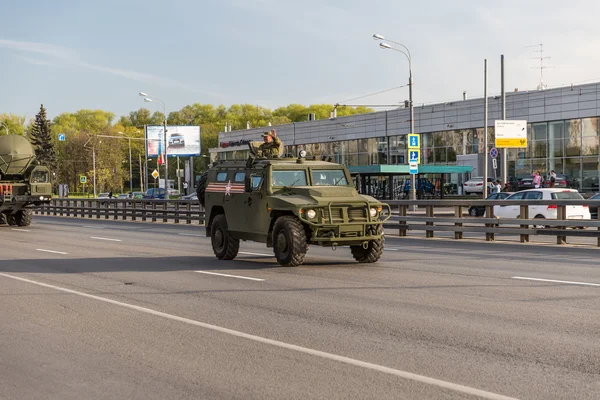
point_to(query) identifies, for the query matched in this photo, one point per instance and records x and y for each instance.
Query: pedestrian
(552, 178)
(498, 186)
(537, 179)
(185, 187)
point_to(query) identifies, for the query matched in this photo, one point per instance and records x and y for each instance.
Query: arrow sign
(61, 137)
(414, 141)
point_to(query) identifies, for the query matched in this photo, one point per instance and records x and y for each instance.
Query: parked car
(475, 185)
(191, 196)
(104, 196)
(137, 195)
(478, 211)
(594, 210)
(123, 196)
(155, 193)
(562, 181)
(544, 212)
(525, 183)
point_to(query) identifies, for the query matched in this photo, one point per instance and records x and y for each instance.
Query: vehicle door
(536, 210)
(256, 215)
(509, 211)
(233, 194)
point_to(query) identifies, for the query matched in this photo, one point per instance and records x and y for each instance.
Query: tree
(41, 139)
(12, 124)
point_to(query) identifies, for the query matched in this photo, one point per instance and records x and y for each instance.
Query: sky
(73, 54)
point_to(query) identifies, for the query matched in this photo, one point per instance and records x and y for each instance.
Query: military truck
(23, 184)
(289, 204)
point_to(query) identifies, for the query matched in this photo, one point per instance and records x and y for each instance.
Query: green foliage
(41, 139)
(14, 123)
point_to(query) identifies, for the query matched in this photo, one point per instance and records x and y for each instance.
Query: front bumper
(346, 223)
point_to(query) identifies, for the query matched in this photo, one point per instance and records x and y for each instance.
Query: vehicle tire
(3, 219)
(23, 217)
(539, 216)
(224, 246)
(201, 188)
(289, 241)
(11, 220)
(373, 251)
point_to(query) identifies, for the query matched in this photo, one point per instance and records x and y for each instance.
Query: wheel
(224, 246)
(289, 241)
(10, 219)
(3, 219)
(373, 251)
(23, 217)
(540, 226)
(201, 188)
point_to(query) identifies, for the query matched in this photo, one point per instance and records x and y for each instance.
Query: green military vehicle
(23, 185)
(289, 204)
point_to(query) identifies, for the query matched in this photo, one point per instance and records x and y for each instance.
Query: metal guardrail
(490, 225)
(177, 211)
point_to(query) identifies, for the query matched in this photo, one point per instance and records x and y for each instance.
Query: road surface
(113, 310)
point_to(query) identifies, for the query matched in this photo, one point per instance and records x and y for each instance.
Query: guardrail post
(133, 210)
(402, 212)
(124, 210)
(176, 211)
(524, 214)
(68, 208)
(489, 213)
(561, 215)
(154, 211)
(429, 214)
(165, 219)
(458, 213)
(188, 208)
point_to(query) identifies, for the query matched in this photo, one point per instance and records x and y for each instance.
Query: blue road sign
(61, 137)
(414, 156)
(494, 152)
(414, 141)
(413, 168)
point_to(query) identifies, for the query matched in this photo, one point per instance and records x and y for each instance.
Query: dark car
(525, 183)
(479, 211)
(594, 210)
(562, 181)
(155, 193)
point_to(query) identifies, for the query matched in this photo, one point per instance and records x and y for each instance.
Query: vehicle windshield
(40, 176)
(566, 196)
(288, 178)
(329, 177)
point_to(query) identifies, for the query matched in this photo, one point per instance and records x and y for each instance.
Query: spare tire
(201, 188)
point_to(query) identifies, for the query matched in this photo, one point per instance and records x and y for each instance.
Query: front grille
(354, 214)
(357, 214)
(336, 214)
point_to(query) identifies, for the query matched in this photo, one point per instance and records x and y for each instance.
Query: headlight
(373, 212)
(311, 214)
(41, 197)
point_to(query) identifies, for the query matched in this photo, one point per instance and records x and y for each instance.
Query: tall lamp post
(130, 164)
(387, 46)
(150, 99)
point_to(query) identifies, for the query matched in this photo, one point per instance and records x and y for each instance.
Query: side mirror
(248, 184)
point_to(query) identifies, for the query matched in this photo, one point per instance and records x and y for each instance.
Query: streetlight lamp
(150, 99)
(130, 164)
(387, 46)
(5, 127)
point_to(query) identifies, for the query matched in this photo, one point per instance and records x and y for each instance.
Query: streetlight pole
(150, 99)
(384, 45)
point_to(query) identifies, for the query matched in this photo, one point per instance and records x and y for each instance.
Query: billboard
(182, 140)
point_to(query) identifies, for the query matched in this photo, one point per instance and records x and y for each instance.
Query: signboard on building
(510, 134)
(181, 140)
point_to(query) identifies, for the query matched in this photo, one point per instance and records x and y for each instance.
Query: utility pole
(485, 129)
(503, 94)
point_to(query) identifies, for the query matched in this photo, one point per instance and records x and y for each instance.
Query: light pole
(150, 99)
(386, 46)
(5, 127)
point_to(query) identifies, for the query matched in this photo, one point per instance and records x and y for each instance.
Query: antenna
(542, 67)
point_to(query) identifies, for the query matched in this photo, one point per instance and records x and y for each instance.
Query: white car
(547, 212)
(475, 185)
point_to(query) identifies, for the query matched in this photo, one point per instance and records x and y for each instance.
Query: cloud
(69, 57)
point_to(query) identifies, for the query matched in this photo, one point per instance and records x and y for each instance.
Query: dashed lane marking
(103, 238)
(51, 251)
(230, 276)
(555, 281)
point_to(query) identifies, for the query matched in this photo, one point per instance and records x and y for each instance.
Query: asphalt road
(114, 310)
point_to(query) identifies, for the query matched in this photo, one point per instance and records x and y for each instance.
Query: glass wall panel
(589, 181)
(573, 168)
(589, 127)
(540, 140)
(573, 138)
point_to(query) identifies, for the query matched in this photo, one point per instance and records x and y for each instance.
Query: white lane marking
(190, 234)
(255, 254)
(103, 238)
(92, 226)
(391, 249)
(288, 346)
(51, 251)
(20, 230)
(555, 281)
(230, 276)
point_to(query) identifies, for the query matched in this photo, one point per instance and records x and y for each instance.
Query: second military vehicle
(23, 184)
(289, 204)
